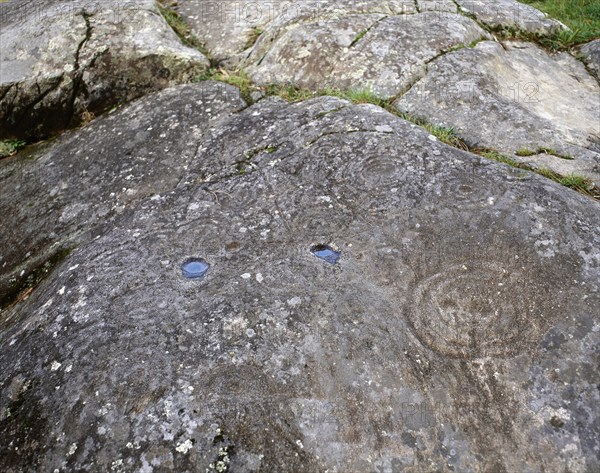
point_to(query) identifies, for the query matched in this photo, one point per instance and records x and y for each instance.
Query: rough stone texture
(591, 51)
(459, 330)
(514, 97)
(62, 61)
(510, 14)
(226, 27)
(386, 54)
(92, 176)
(437, 6)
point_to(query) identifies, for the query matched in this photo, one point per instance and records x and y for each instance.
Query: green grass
(289, 92)
(582, 16)
(491, 154)
(10, 147)
(444, 134)
(580, 183)
(238, 79)
(356, 96)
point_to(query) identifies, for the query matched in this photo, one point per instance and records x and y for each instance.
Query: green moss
(525, 152)
(359, 36)
(475, 42)
(10, 147)
(250, 154)
(528, 152)
(556, 422)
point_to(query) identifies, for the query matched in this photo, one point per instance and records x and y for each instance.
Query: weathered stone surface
(510, 14)
(92, 176)
(457, 331)
(437, 5)
(386, 54)
(591, 51)
(513, 98)
(62, 62)
(226, 27)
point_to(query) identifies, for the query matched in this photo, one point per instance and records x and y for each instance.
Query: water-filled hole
(326, 253)
(194, 268)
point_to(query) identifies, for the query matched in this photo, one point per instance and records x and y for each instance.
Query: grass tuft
(237, 78)
(580, 183)
(444, 134)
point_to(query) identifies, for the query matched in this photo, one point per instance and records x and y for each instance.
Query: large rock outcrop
(510, 15)
(456, 331)
(385, 54)
(228, 28)
(86, 179)
(517, 99)
(511, 97)
(63, 62)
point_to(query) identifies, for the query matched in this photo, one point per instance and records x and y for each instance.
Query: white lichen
(185, 446)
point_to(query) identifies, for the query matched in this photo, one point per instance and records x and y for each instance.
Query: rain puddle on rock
(194, 268)
(326, 253)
